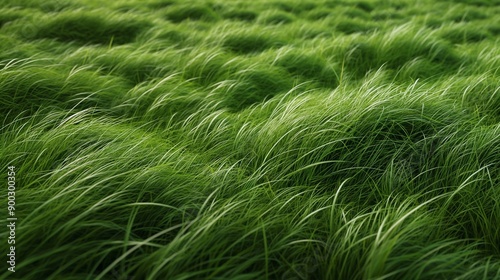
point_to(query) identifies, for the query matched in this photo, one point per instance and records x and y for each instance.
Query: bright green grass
(169, 139)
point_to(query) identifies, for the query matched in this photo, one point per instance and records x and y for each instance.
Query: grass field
(225, 139)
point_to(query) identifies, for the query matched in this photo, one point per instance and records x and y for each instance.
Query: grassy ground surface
(251, 139)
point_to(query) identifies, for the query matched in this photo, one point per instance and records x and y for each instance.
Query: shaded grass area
(247, 43)
(191, 12)
(252, 140)
(89, 28)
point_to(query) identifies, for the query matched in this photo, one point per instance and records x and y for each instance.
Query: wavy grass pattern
(168, 139)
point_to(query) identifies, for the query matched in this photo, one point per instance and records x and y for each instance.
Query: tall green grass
(252, 140)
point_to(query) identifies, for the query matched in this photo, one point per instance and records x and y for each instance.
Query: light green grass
(169, 139)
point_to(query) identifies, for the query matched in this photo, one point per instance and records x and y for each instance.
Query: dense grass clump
(276, 18)
(396, 50)
(463, 34)
(35, 86)
(206, 67)
(251, 86)
(168, 139)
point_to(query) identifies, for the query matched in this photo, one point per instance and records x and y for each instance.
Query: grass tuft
(254, 85)
(463, 34)
(275, 18)
(309, 66)
(396, 50)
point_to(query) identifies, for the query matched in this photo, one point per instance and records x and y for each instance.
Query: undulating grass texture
(169, 139)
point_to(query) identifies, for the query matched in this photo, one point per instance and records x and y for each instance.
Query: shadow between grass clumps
(8, 16)
(250, 43)
(478, 3)
(364, 5)
(191, 12)
(241, 15)
(349, 26)
(87, 28)
(298, 7)
(276, 17)
(161, 4)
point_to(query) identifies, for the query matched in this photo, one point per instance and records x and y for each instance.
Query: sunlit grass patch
(477, 92)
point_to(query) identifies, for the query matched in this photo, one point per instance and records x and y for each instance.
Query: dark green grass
(253, 86)
(7, 16)
(294, 7)
(252, 139)
(463, 34)
(35, 86)
(191, 12)
(250, 43)
(310, 67)
(348, 26)
(276, 18)
(243, 15)
(90, 28)
(160, 4)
